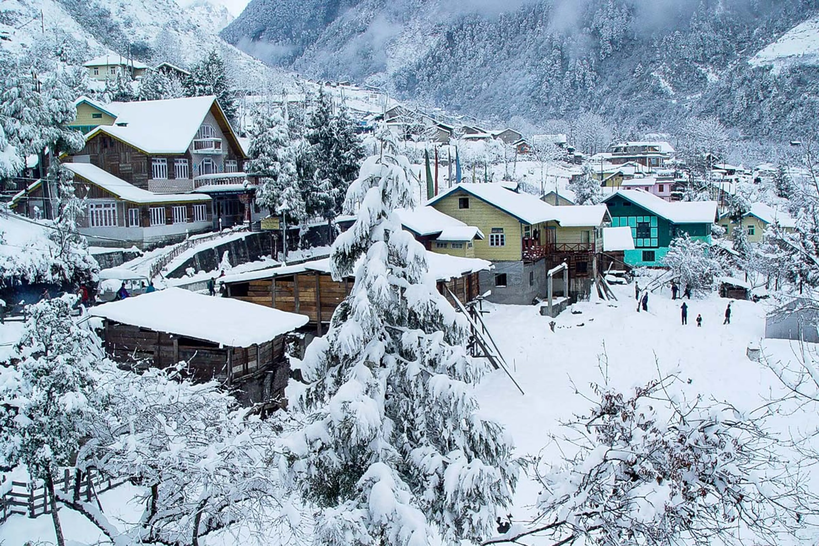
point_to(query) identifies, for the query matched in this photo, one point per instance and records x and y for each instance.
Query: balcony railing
(223, 179)
(207, 145)
(533, 250)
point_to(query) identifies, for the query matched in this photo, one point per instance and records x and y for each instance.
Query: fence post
(88, 485)
(66, 480)
(31, 513)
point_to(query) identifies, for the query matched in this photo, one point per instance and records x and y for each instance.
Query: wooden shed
(309, 288)
(735, 289)
(231, 341)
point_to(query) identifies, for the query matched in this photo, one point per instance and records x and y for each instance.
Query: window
(751, 229)
(96, 116)
(527, 232)
(207, 166)
(581, 268)
(133, 218)
(157, 216)
(648, 255)
(180, 214)
(231, 166)
(585, 237)
(159, 168)
(497, 237)
(102, 214)
(463, 202)
(200, 213)
(469, 244)
(112, 70)
(643, 230)
(206, 131)
(531, 278)
(457, 245)
(440, 245)
(500, 279)
(626, 204)
(96, 71)
(661, 188)
(180, 168)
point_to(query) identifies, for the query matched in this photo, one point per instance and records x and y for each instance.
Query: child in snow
(684, 309)
(699, 321)
(727, 314)
(122, 293)
(645, 302)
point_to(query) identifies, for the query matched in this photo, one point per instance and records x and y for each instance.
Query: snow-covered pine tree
(209, 77)
(120, 88)
(392, 449)
(74, 261)
(273, 159)
(586, 189)
(337, 153)
(156, 85)
(47, 395)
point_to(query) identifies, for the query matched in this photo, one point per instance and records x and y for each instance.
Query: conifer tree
(120, 89)
(47, 397)
(209, 77)
(156, 85)
(393, 450)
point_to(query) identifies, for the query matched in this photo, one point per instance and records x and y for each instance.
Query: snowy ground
(550, 365)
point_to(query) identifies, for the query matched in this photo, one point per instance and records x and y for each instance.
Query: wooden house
(757, 220)
(107, 67)
(508, 136)
(236, 343)
(655, 223)
(167, 148)
(172, 70)
(440, 233)
(90, 115)
(653, 154)
(525, 237)
(309, 288)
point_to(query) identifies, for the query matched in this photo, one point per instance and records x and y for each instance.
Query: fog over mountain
(640, 63)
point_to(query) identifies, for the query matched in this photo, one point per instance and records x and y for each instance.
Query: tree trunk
(77, 484)
(52, 499)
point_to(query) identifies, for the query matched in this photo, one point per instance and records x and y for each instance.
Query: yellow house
(90, 115)
(522, 234)
(755, 221)
(106, 67)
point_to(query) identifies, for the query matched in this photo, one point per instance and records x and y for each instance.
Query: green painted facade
(652, 234)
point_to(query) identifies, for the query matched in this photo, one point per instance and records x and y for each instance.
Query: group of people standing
(642, 302)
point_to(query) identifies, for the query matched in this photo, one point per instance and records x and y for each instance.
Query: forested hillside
(640, 63)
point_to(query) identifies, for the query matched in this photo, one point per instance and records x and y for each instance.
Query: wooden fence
(31, 498)
(189, 243)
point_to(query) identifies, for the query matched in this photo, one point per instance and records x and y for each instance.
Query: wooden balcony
(207, 145)
(533, 250)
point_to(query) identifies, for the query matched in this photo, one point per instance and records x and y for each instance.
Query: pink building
(650, 184)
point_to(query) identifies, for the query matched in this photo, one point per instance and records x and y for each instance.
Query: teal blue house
(655, 223)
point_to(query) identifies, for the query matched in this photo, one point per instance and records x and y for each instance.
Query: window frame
(180, 214)
(200, 213)
(102, 214)
(134, 214)
(647, 253)
(463, 203)
(156, 214)
(501, 276)
(159, 167)
(231, 166)
(181, 166)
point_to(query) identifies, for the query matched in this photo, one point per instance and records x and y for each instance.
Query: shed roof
(617, 238)
(226, 321)
(426, 221)
(126, 191)
(770, 215)
(678, 212)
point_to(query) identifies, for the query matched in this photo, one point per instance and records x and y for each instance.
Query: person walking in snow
(212, 286)
(645, 302)
(637, 291)
(687, 292)
(684, 313)
(727, 314)
(699, 321)
(674, 290)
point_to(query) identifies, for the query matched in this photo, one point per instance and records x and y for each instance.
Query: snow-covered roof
(662, 146)
(528, 208)
(158, 126)
(114, 60)
(617, 239)
(426, 221)
(641, 182)
(770, 215)
(172, 67)
(126, 191)
(95, 104)
(678, 212)
(226, 321)
(460, 233)
(442, 266)
(735, 282)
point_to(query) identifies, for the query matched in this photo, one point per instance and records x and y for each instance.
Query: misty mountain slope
(151, 31)
(640, 62)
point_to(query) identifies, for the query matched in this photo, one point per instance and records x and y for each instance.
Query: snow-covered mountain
(209, 14)
(638, 62)
(151, 31)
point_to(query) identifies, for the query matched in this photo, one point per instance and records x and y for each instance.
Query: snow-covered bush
(391, 447)
(644, 468)
(691, 263)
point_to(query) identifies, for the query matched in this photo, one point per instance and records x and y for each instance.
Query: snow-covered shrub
(391, 447)
(650, 470)
(692, 264)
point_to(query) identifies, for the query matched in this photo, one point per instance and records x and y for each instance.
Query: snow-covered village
(446, 272)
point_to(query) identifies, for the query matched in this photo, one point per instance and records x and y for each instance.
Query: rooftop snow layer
(126, 191)
(425, 221)
(526, 208)
(114, 60)
(459, 233)
(226, 321)
(770, 215)
(158, 126)
(678, 212)
(617, 238)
